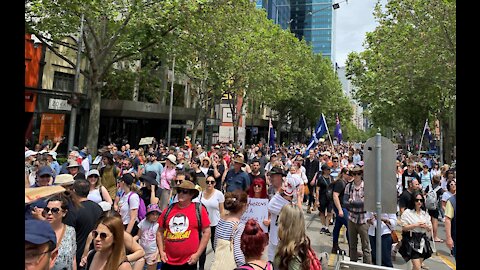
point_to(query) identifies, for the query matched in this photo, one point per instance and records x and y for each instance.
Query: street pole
(378, 195)
(171, 104)
(73, 113)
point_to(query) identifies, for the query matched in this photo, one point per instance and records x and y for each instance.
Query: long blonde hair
(293, 241)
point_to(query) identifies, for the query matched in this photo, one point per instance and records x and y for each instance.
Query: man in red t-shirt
(178, 239)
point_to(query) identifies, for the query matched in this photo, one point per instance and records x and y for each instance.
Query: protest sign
(256, 209)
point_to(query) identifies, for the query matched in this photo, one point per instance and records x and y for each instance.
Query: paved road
(442, 260)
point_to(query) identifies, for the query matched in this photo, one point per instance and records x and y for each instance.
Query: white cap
(93, 172)
(53, 154)
(30, 153)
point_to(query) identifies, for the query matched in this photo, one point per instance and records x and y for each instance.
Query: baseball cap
(30, 153)
(93, 172)
(128, 179)
(325, 167)
(39, 232)
(44, 170)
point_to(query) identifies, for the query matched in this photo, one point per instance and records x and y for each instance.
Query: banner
(52, 125)
(258, 210)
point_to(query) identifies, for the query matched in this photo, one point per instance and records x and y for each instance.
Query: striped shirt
(224, 231)
(356, 210)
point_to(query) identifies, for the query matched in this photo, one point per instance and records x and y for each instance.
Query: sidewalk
(442, 260)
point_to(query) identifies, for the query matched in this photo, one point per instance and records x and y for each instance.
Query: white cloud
(354, 20)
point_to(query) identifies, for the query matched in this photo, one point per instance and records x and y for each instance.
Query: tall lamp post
(74, 100)
(171, 104)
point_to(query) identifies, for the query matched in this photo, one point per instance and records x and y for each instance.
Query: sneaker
(323, 230)
(327, 232)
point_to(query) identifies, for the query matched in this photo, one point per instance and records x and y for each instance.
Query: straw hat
(64, 179)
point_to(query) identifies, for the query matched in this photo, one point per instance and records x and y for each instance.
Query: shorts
(434, 213)
(325, 204)
(151, 258)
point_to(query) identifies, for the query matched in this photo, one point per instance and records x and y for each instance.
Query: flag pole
(268, 141)
(423, 133)
(328, 132)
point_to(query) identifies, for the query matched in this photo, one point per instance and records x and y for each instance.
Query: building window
(63, 81)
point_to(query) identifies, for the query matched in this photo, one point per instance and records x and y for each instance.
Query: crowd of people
(159, 206)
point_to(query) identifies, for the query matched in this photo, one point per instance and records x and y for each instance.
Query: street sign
(388, 178)
(187, 126)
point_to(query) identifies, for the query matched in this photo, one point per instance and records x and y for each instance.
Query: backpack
(431, 200)
(315, 263)
(142, 209)
(248, 266)
(198, 207)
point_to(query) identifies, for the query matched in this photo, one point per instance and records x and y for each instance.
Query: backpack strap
(169, 209)
(198, 211)
(101, 195)
(90, 255)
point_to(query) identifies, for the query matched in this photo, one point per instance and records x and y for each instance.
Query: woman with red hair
(258, 189)
(253, 243)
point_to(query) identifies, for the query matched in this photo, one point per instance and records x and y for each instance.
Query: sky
(354, 20)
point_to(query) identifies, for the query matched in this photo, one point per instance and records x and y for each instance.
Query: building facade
(357, 118)
(313, 20)
(277, 10)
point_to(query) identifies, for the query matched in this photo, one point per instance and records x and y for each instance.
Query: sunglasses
(54, 210)
(210, 182)
(184, 191)
(45, 176)
(103, 235)
(355, 173)
(92, 176)
(178, 182)
(258, 186)
(419, 200)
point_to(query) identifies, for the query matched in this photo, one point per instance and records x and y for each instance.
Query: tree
(115, 31)
(407, 72)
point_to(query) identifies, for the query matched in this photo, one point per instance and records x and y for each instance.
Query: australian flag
(428, 133)
(338, 131)
(271, 142)
(320, 130)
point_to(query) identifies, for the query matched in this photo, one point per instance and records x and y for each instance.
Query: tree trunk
(94, 120)
(196, 123)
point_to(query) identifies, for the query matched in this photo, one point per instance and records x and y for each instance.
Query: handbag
(306, 191)
(224, 258)
(394, 236)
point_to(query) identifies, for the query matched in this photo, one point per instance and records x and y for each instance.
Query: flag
(320, 130)
(271, 139)
(338, 131)
(428, 133)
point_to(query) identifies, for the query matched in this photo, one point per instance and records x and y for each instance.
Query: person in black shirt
(408, 175)
(339, 208)
(86, 216)
(311, 168)
(219, 172)
(321, 199)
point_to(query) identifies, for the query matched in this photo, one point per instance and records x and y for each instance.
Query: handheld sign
(258, 210)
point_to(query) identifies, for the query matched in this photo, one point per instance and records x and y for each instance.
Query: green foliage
(407, 72)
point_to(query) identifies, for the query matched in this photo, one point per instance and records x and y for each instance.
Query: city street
(442, 260)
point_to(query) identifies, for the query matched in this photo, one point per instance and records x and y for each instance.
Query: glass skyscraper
(312, 20)
(277, 10)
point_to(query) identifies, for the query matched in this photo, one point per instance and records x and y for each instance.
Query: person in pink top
(166, 178)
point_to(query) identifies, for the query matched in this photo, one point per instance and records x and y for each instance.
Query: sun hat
(239, 159)
(356, 169)
(149, 177)
(186, 184)
(64, 179)
(277, 170)
(153, 207)
(172, 159)
(73, 164)
(30, 153)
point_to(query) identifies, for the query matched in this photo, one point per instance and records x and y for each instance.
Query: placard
(258, 210)
(52, 125)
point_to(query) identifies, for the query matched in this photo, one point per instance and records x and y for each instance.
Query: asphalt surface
(441, 260)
